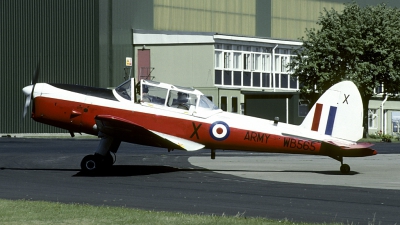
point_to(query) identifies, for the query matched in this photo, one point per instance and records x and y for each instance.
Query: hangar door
(268, 105)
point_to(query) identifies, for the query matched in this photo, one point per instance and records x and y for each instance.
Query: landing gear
(90, 163)
(95, 163)
(344, 168)
(103, 158)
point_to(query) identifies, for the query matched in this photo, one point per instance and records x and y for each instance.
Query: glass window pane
(277, 76)
(218, 61)
(246, 78)
(256, 80)
(237, 60)
(227, 77)
(218, 77)
(227, 60)
(237, 78)
(266, 79)
(284, 81)
(293, 82)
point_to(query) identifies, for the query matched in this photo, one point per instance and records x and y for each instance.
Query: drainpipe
(273, 66)
(382, 115)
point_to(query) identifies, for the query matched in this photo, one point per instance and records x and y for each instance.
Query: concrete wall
(184, 65)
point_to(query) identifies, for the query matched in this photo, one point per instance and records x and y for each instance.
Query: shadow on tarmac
(140, 170)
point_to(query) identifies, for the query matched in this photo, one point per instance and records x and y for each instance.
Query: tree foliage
(358, 44)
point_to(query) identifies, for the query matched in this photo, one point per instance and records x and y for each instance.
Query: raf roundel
(219, 131)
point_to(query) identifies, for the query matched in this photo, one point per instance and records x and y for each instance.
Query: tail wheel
(345, 169)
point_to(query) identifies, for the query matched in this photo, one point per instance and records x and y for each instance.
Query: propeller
(28, 90)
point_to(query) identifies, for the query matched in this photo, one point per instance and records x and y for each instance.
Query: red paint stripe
(317, 117)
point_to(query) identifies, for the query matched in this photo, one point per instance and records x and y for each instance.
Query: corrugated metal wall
(222, 16)
(290, 18)
(61, 34)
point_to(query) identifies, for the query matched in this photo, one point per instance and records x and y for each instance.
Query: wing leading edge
(131, 132)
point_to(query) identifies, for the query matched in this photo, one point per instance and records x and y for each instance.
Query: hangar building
(234, 51)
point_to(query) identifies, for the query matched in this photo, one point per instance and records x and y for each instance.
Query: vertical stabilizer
(337, 113)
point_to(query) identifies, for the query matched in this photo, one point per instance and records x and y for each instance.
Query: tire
(345, 169)
(90, 163)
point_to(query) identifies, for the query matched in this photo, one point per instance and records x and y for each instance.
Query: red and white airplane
(173, 117)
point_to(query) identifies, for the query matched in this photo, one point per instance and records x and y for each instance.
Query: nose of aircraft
(27, 90)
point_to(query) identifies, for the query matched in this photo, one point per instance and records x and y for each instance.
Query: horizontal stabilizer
(357, 150)
(131, 132)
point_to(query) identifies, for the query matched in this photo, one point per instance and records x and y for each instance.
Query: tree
(359, 44)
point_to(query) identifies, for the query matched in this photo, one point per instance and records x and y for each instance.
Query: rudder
(337, 113)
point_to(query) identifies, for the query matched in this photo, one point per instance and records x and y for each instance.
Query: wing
(131, 132)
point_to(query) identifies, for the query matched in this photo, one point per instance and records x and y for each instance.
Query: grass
(40, 212)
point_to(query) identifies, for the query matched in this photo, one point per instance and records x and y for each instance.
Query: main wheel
(345, 169)
(90, 163)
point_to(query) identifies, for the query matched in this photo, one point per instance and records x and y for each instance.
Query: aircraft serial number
(299, 144)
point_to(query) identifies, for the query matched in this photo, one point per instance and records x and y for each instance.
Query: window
(303, 108)
(234, 108)
(218, 77)
(224, 103)
(218, 59)
(293, 82)
(227, 60)
(246, 78)
(284, 63)
(206, 103)
(246, 61)
(266, 80)
(155, 95)
(284, 80)
(372, 118)
(257, 62)
(256, 80)
(227, 77)
(124, 89)
(266, 63)
(237, 60)
(181, 100)
(237, 78)
(253, 66)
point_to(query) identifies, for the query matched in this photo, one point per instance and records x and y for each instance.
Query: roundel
(219, 131)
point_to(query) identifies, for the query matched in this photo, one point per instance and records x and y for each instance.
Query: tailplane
(337, 113)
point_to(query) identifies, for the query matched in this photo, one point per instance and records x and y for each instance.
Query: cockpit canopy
(162, 94)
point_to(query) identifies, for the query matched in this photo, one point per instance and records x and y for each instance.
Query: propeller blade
(28, 93)
(36, 74)
(28, 90)
(27, 103)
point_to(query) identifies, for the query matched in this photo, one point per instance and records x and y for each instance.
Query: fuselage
(74, 108)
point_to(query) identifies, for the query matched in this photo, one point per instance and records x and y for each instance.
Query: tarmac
(379, 171)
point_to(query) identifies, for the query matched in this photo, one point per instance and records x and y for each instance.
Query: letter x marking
(195, 130)
(345, 98)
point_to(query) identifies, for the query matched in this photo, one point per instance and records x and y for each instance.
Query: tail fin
(338, 113)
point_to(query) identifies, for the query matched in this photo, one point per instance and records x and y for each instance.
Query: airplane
(173, 117)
